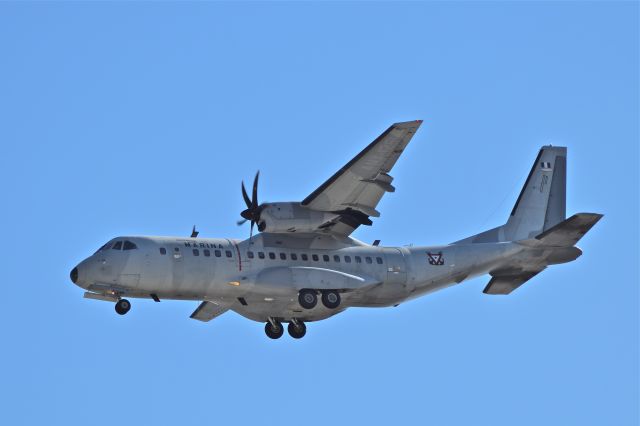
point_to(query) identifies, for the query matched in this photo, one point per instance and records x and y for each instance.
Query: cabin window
(196, 252)
(347, 259)
(304, 256)
(314, 257)
(228, 253)
(294, 256)
(272, 255)
(217, 253)
(358, 259)
(379, 260)
(261, 254)
(163, 251)
(117, 246)
(207, 252)
(128, 245)
(368, 260)
(325, 257)
(283, 256)
(336, 258)
(250, 254)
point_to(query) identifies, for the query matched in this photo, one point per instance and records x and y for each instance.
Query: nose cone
(74, 275)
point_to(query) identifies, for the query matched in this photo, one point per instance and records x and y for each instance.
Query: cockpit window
(128, 245)
(117, 246)
(104, 247)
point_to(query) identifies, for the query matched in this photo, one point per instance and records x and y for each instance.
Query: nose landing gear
(123, 306)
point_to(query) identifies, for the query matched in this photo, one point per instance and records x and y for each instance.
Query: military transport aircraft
(304, 266)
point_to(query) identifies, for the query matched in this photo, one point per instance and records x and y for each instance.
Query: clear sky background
(143, 118)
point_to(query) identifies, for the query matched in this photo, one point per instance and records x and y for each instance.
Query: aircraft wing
(207, 311)
(355, 190)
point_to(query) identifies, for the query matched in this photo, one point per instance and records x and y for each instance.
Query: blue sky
(142, 118)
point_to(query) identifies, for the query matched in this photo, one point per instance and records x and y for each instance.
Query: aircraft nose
(74, 275)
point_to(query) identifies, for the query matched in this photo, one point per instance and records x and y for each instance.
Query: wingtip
(589, 214)
(405, 124)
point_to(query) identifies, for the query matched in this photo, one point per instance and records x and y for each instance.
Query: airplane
(304, 266)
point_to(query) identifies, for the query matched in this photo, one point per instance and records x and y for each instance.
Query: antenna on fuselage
(194, 233)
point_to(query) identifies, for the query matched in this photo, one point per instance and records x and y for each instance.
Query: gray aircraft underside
(304, 266)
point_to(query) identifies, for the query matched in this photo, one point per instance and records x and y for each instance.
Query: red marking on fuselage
(239, 257)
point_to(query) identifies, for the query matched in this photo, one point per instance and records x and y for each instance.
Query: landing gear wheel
(331, 299)
(274, 332)
(297, 331)
(307, 299)
(123, 306)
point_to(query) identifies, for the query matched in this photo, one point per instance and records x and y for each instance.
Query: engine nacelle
(292, 217)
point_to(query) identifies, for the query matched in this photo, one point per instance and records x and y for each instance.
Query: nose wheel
(123, 306)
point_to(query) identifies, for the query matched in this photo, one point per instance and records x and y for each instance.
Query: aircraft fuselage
(261, 278)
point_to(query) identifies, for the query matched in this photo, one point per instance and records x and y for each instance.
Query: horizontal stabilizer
(207, 311)
(505, 284)
(568, 232)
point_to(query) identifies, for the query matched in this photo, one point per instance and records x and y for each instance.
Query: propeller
(253, 210)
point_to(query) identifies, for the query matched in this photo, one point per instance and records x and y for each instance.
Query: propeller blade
(254, 199)
(253, 210)
(247, 200)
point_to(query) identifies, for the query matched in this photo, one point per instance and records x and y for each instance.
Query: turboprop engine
(288, 217)
(292, 217)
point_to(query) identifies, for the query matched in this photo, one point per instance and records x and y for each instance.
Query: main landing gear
(308, 299)
(331, 299)
(297, 329)
(123, 306)
(274, 329)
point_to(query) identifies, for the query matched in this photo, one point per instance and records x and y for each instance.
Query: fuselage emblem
(436, 259)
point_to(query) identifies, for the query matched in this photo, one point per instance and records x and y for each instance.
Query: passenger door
(396, 266)
(232, 259)
(177, 269)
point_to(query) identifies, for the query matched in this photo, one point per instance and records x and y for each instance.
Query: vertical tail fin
(541, 203)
